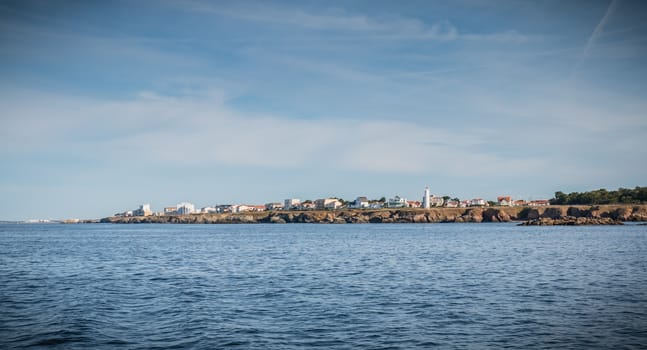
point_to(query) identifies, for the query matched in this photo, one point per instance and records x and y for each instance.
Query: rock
(594, 212)
(574, 211)
(490, 215)
(533, 214)
(474, 215)
(553, 213)
(570, 220)
(622, 214)
(339, 220)
(275, 219)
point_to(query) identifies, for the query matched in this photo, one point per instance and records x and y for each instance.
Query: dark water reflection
(326, 286)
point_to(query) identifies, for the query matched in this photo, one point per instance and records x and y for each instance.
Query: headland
(547, 215)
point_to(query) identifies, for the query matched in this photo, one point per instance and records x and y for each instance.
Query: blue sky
(107, 105)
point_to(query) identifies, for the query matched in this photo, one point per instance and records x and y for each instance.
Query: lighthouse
(425, 199)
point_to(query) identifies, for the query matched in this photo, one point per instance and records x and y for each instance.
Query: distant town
(428, 200)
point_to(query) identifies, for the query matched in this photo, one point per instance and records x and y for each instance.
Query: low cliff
(491, 214)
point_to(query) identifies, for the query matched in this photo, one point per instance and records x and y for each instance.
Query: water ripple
(318, 286)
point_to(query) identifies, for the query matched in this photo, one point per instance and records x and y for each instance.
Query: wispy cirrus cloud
(199, 129)
(337, 20)
(597, 32)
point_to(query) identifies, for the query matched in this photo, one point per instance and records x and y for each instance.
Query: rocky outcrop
(571, 221)
(555, 215)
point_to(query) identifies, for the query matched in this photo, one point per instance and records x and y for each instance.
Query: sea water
(377, 286)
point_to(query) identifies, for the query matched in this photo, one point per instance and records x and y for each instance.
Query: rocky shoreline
(530, 216)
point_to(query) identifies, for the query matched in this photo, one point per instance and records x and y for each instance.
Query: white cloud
(203, 130)
(599, 28)
(337, 20)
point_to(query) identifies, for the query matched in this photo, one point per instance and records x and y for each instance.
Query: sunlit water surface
(322, 286)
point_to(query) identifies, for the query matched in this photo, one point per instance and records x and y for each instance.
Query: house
(143, 210)
(464, 203)
(504, 201)
(327, 203)
(170, 211)
(375, 205)
(414, 204)
(307, 205)
(291, 203)
(360, 203)
(223, 208)
(207, 210)
(185, 208)
(244, 208)
(539, 203)
(436, 201)
(452, 204)
(519, 203)
(274, 206)
(240, 208)
(478, 202)
(397, 202)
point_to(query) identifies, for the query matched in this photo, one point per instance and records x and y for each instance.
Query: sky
(108, 105)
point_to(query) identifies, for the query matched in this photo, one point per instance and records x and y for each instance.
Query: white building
(478, 202)
(208, 210)
(291, 203)
(143, 210)
(306, 206)
(425, 199)
(436, 201)
(360, 203)
(327, 203)
(397, 202)
(274, 206)
(505, 201)
(185, 208)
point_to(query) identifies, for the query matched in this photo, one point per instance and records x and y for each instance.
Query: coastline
(545, 215)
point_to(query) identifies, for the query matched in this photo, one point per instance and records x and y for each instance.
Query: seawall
(547, 215)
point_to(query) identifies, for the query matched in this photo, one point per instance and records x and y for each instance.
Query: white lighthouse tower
(425, 199)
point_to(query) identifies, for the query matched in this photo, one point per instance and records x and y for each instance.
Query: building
(327, 203)
(464, 203)
(291, 203)
(170, 211)
(126, 213)
(478, 202)
(436, 201)
(274, 206)
(504, 201)
(414, 204)
(143, 210)
(307, 205)
(539, 203)
(519, 203)
(375, 205)
(223, 208)
(397, 202)
(452, 204)
(208, 210)
(185, 208)
(425, 199)
(360, 203)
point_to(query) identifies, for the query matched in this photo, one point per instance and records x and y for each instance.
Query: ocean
(304, 286)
